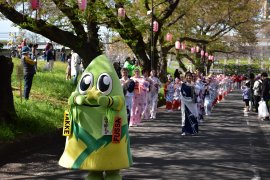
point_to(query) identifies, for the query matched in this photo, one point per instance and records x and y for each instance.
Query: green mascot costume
(96, 124)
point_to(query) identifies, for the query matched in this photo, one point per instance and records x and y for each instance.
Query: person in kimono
(137, 100)
(189, 106)
(168, 92)
(154, 89)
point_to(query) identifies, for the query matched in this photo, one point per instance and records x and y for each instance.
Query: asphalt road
(230, 145)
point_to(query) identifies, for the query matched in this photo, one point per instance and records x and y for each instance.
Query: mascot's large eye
(86, 83)
(104, 83)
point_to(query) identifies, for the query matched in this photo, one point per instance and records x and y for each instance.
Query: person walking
(75, 66)
(28, 71)
(189, 106)
(137, 100)
(49, 56)
(176, 96)
(24, 42)
(246, 95)
(128, 86)
(251, 81)
(168, 92)
(63, 54)
(68, 69)
(265, 89)
(257, 89)
(34, 54)
(154, 89)
(145, 92)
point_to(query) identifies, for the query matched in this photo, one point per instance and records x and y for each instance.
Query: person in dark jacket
(50, 57)
(251, 80)
(265, 88)
(28, 71)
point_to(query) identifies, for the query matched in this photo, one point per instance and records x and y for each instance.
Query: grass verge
(43, 112)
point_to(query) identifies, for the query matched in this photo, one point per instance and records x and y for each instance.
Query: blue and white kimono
(189, 109)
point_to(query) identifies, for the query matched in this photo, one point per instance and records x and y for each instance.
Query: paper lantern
(202, 53)
(197, 49)
(121, 12)
(192, 50)
(177, 45)
(155, 26)
(35, 4)
(206, 54)
(183, 46)
(169, 37)
(210, 58)
(82, 4)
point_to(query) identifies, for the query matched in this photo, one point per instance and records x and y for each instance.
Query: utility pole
(152, 36)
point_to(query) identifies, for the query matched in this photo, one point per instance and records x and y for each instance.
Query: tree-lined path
(230, 145)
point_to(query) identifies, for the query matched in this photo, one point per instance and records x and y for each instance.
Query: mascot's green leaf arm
(99, 140)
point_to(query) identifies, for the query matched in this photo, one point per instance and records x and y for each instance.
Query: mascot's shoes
(95, 175)
(112, 175)
(109, 175)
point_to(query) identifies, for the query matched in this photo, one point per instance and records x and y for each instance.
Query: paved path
(230, 145)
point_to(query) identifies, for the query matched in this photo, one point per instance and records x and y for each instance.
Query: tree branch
(37, 26)
(69, 12)
(128, 32)
(169, 10)
(177, 19)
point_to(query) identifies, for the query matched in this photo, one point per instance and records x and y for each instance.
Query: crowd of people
(141, 89)
(28, 53)
(256, 94)
(193, 94)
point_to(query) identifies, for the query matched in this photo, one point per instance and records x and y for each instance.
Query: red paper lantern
(169, 37)
(121, 12)
(206, 54)
(192, 50)
(155, 26)
(177, 45)
(82, 4)
(35, 4)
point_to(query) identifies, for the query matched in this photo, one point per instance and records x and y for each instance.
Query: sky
(6, 26)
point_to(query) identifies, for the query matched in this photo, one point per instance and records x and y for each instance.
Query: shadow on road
(228, 146)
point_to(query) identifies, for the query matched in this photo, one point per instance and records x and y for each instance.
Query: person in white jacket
(75, 66)
(257, 89)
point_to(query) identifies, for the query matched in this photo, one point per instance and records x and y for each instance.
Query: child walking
(246, 95)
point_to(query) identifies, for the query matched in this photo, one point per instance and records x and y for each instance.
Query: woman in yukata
(169, 92)
(189, 106)
(137, 100)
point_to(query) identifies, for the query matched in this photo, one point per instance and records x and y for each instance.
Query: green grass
(43, 112)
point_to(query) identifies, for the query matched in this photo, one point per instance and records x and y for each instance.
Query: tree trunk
(7, 109)
(162, 71)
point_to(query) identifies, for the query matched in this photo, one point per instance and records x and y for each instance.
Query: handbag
(262, 110)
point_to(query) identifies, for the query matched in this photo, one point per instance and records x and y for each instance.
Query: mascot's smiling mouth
(91, 105)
